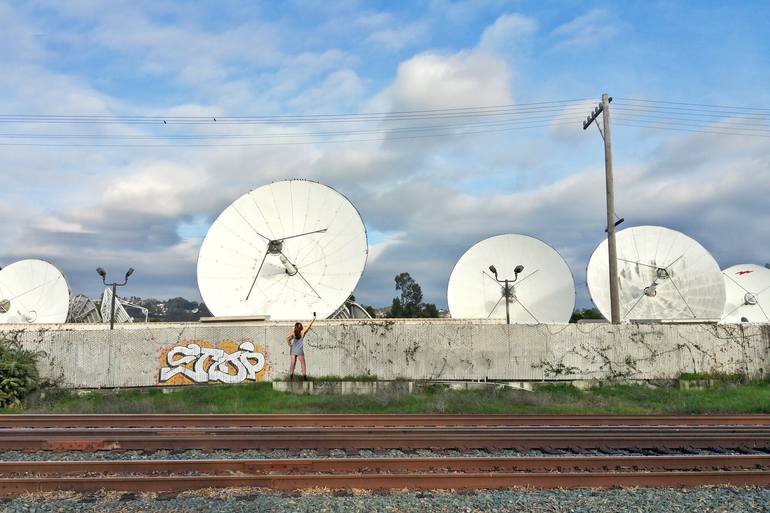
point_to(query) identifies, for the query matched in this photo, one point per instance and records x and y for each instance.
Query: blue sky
(424, 201)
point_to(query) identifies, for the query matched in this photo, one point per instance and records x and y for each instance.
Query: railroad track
(354, 432)
(385, 473)
(371, 420)
(381, 438)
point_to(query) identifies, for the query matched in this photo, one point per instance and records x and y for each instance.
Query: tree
(587, 313)
(430, 310)
(396, 310)
(410, 303)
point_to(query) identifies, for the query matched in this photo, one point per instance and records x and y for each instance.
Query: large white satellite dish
(351, 310)
(105, 308)
(83, 310)
(33, 291)
(662, 274)
(544, 291)
(285, 250)
(747, 289)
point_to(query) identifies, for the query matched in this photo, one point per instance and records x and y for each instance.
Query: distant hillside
(177, 309)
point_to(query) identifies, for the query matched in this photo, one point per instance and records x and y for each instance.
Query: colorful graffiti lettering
(199, 362)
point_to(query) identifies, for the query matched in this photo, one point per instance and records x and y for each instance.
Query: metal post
(112, 306)
(114, 286)
(507, 298)
(613, 267)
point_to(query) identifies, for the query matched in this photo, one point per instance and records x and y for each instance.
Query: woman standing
(296, 339)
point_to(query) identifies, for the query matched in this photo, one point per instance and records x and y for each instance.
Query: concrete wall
(133, 355)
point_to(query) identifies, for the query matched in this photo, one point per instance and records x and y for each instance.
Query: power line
(521, 121)
(692, 112)
(286, 143)
(664, 120)
(215, 120)
(646, 100)
(658, 116)
(395, 125)
(717, 132)
(495, 110)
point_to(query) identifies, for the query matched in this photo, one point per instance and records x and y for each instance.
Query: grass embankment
(546, 399)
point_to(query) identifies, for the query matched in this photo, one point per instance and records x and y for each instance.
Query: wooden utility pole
(604, 109)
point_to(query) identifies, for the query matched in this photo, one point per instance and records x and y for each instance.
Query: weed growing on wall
(18, 372)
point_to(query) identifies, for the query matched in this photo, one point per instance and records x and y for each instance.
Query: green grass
(718, 376)
(547, 399)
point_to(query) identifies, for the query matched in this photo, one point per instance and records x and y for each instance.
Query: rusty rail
(412, 481)
(323, 439)
(370, 420)
(374, 465)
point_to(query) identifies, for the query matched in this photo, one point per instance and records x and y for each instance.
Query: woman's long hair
(297, 330)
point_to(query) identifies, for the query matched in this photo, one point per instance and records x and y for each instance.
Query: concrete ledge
(345, 387)
(397, 386)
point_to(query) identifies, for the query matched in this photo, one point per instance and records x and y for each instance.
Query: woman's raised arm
(309, 325)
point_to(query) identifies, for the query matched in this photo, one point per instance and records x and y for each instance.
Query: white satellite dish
(544, 290)
(121, 315)
(351, 310)
(33, 291)
(662, 274)
(747, 289)
(83, 310)
(284, 250)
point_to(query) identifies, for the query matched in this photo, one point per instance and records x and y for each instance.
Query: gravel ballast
(282, 454)
(716, 499)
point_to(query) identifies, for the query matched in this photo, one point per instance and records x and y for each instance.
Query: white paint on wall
(213, 364)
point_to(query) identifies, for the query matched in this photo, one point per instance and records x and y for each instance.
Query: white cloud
(341, 89)
(507, 32)
(158, 189)
(399, 37)
(565, 126)
(436, 81)
(590, 29)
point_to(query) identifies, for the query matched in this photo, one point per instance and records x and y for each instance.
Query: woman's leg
(302, 364)
(293, 360)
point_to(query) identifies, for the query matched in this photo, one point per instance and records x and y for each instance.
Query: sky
(88, 198)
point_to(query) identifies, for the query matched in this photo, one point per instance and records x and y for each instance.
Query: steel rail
(370, 420)
(345, 439)
(449, 430)
(373, 465)
(411, 481)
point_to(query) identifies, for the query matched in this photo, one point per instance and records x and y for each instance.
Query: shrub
(18, 372)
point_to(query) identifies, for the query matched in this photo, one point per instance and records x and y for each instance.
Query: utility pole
(604, 109)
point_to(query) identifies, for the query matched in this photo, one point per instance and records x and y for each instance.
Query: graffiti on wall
(199, 361)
